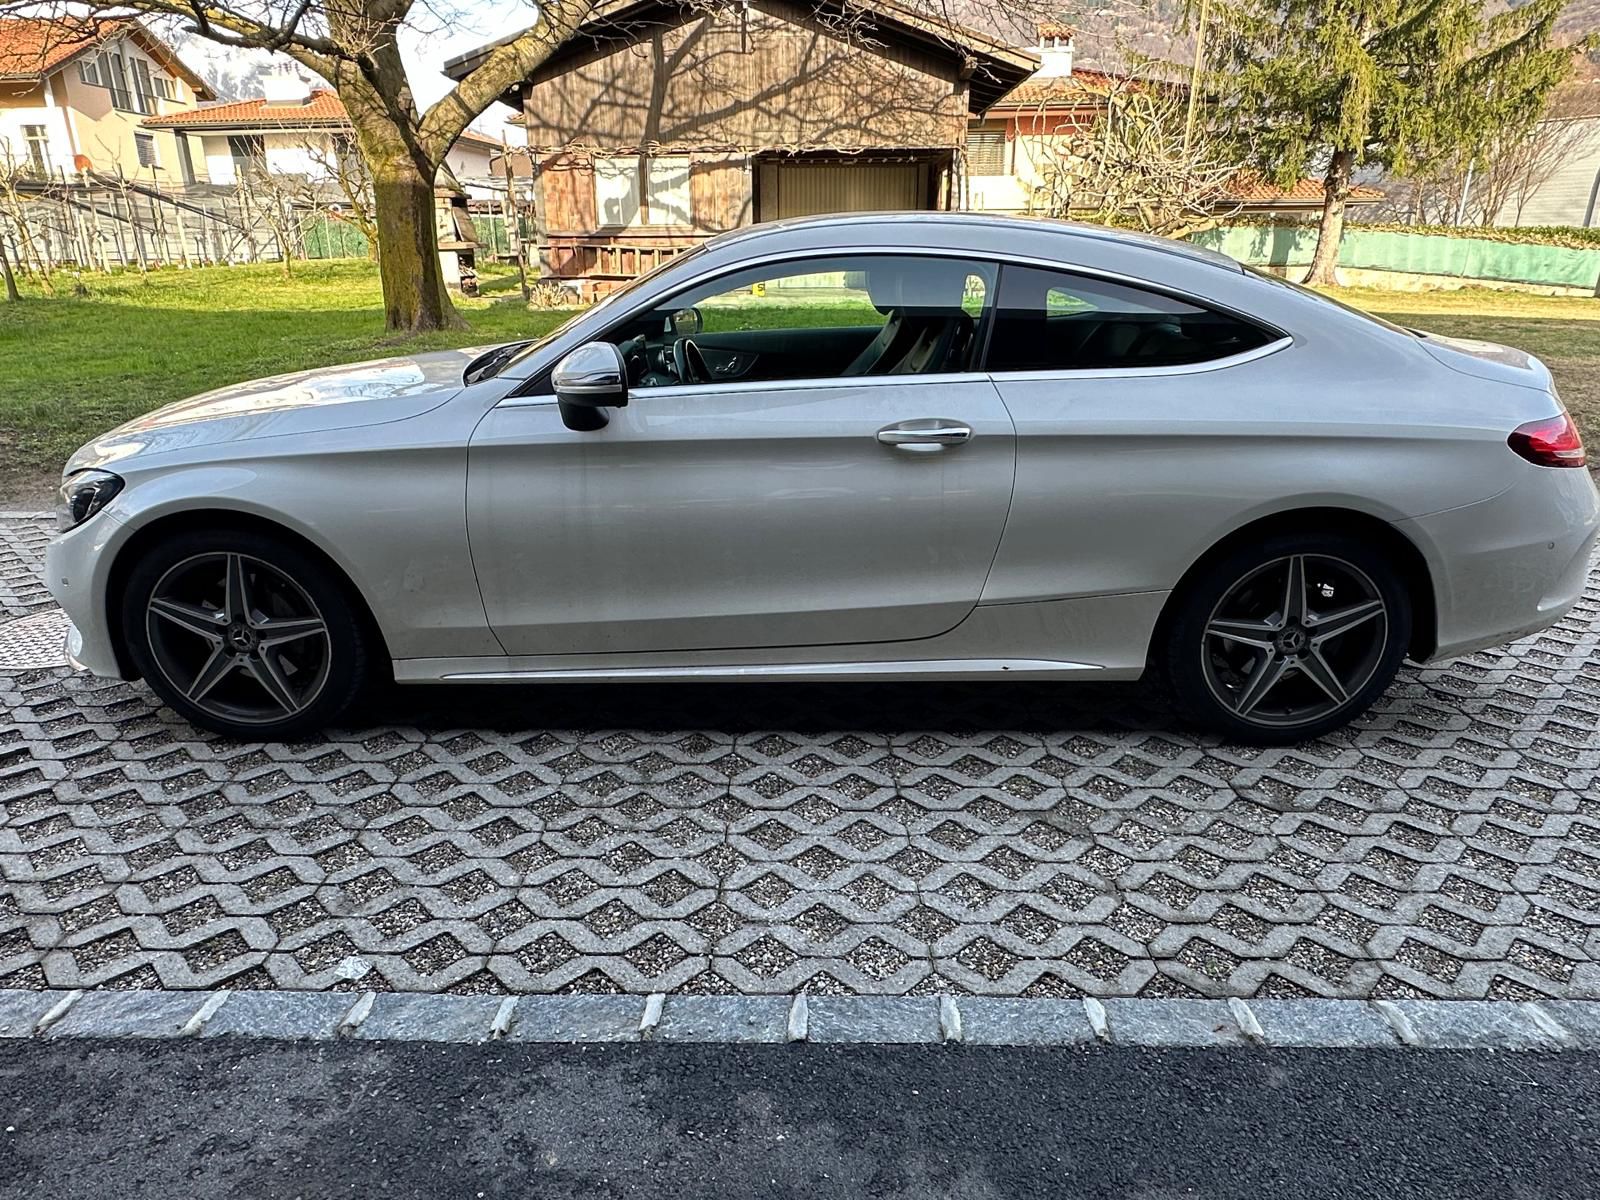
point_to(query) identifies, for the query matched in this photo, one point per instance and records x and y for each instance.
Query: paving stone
(996, 1021)
(1332, 1024)
(723, 1019)
(128, 1014)
(291, 1016)
(1579, 1017)
(1003, 841)
(20, 1011)
(890, 1020)
(576, 1019)
(1171, 1023)
(1472, 1025)
(416, 1017)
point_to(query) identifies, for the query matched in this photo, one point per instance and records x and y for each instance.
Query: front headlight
(84, 494)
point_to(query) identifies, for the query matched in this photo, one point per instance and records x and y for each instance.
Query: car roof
(951, 221)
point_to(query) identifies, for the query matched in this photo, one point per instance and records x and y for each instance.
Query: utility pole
(513, 213)
(1194, 75)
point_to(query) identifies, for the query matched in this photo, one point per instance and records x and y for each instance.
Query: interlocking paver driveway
(1000, 839)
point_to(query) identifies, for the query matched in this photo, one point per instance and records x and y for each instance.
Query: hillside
(1108, 31)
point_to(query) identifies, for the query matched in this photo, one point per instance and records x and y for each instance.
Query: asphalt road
(262, 1119)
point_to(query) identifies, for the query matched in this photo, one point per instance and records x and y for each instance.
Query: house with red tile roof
(1011, 146)
(75, 92)
(297, 129)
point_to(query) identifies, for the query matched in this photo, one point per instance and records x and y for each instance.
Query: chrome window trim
(1283, 341)
(737, 387)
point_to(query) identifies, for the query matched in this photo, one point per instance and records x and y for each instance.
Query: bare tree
(268, 200)
(343, 168)
(1520, 161)
(15, 205)
(354, 45)
(1144, 162)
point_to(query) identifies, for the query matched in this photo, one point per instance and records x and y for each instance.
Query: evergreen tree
(1335, 84)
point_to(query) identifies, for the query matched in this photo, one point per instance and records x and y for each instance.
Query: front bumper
(77, 568)
(1513, 565)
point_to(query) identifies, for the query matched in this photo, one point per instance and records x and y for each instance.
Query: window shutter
(986, 152)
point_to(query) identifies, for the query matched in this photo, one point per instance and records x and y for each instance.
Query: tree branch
(501, 69)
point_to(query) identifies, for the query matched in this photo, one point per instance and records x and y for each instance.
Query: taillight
(1551, 442)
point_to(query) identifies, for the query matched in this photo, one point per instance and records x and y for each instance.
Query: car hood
(365, 393)
(1488, 360)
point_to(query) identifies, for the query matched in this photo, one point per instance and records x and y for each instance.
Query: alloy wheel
(1294, 640)
(238, 638)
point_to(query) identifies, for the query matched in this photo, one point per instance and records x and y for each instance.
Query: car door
(805, 510)
(1145, 431)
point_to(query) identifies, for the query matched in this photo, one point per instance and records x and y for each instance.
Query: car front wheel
(243, 634)
(1287, 639)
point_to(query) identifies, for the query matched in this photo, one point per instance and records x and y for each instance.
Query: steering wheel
(688, 363)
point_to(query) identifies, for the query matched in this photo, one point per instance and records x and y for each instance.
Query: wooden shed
(661, 123)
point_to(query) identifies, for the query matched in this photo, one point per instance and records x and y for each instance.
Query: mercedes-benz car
(898, 446)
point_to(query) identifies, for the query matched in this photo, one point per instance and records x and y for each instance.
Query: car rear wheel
(1287, 639)
(243, 634)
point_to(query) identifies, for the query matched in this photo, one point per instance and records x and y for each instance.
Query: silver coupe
(908, 446)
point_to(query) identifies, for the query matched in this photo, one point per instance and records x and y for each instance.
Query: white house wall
(218, 158)
(296, 154)
(1571, 196)
(46, 112)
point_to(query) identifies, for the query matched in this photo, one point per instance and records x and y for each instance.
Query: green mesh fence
(330, 238)
(1411, 253)
(327, 237)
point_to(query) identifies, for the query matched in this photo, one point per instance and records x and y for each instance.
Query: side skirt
(477, 671)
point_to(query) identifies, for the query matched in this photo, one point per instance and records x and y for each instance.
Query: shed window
(986, 152)
(662, 200)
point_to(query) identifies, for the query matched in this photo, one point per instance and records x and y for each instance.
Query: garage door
(803, 189)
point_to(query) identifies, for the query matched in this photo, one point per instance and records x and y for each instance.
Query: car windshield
(611, 301)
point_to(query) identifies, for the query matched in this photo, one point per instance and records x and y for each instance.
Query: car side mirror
(588, 381)
(686, 322)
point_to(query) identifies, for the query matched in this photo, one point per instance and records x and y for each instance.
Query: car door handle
(926, 433)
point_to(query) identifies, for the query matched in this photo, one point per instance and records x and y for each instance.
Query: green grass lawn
(72, 367)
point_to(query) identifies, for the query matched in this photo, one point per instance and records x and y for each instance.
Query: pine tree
(1337, 84)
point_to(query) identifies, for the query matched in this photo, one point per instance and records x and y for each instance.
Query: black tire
(1214, 677)
(328, 670)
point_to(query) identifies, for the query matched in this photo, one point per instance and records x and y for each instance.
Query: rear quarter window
(1048, 320)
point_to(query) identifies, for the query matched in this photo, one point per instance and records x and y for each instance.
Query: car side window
(1057, 321)
(837, 317)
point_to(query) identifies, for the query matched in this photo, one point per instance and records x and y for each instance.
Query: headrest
(916, 284)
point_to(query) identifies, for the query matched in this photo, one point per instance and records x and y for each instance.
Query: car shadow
(887, 709)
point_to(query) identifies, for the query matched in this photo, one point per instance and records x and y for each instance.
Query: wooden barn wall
(769, 77)
(720, 192)
(568, 183)
(720, 195)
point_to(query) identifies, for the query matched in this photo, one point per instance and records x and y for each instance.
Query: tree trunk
(5, 269)
(414, 295)
(1336, 191)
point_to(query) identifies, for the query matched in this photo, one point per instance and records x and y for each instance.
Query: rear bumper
(1511, 566)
